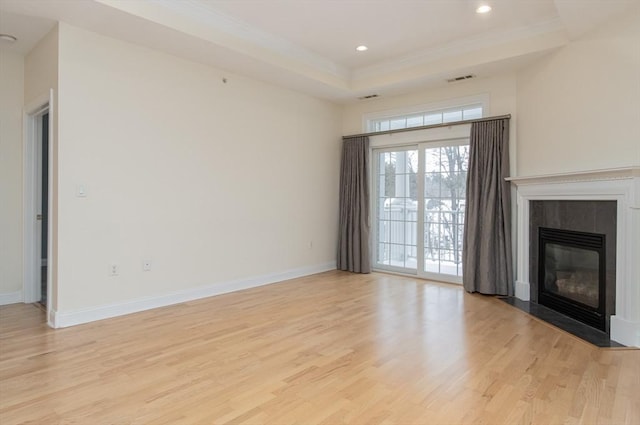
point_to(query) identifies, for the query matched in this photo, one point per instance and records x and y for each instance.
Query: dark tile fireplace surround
(596, 220)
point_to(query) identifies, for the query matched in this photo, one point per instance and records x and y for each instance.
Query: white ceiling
(309, 45)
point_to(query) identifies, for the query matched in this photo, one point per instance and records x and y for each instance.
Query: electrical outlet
(114, 270)
(146, 265)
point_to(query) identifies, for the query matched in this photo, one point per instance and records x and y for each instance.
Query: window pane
(397, 209)
(431, 265)
(415, 121)
(398, 123)
(383, 213)
(444, 201)
(429, 117)
(382, 253)
(445, 183)
(431, 188)
(451, 116)
(472, 113)
(381, 125)
(432, 119)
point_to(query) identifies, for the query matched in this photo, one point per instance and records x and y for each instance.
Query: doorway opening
(44, 205)
(37, 204)
(419, 195)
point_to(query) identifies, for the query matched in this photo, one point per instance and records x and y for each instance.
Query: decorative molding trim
(464, 46)
(11, 298)
(627, 332)
(62, 319)
(226, 31)
(51, 319)
(578, 176)
(523, 290)
(618, 184)
(206, 21)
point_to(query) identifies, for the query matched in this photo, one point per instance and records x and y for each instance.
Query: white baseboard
(62, 319)
(625, 332)
(11, 298)
(51, 321)
(523, 290)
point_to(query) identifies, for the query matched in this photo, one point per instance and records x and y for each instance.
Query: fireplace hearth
(572, 274)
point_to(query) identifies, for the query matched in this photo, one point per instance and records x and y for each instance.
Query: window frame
(443, 106)
(375, 165)
(420, 139)
(420, 147)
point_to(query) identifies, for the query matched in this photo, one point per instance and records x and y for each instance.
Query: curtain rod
(426, 127)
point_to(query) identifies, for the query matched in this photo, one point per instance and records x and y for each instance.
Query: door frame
(419, 143)
(32, 190)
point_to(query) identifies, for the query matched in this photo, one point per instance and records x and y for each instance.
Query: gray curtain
(353, 237)
(486, 252)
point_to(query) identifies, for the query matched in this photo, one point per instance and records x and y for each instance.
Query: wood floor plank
(326, 349)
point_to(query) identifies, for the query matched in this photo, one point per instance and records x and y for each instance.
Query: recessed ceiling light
(8, 37)
(362, 48)
(485, 8)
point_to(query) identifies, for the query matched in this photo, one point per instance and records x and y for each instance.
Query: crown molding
(203, 20)
(460, 47)
(209, 15)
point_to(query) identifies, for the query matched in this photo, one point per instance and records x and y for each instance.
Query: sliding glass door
(419, 212)
(444, 196)
(397, 209)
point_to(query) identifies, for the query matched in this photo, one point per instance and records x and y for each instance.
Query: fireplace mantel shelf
(579, 176)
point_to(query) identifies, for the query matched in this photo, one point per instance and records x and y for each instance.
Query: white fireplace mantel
(621, 185)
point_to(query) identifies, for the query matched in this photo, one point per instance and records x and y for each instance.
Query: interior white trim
(418, 140)
(31, 254)
(522, 290)
(86, 315)
(11, 298)
(462, 47)
(621, 185)
(29, 189)
(578, 176)
(216, 18)
(483, 98)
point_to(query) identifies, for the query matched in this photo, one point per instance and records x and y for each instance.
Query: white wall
(41, 68)
(40, 77)
(11, 101)
(501, 92)
(579, 108)
(212, 182)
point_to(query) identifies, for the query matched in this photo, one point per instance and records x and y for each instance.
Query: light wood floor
(331, 348)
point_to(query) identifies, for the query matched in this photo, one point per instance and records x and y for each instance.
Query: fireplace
(572, 274)
(550, 201)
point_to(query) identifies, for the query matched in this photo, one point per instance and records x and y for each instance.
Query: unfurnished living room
(319, 212)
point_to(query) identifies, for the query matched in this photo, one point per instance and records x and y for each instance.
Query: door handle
(39, 217)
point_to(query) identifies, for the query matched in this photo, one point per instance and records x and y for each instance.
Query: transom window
(432, 117)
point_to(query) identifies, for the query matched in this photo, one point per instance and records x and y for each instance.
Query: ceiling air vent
(370, 96)
(464, 77)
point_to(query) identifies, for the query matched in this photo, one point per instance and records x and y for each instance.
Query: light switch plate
(81, 191)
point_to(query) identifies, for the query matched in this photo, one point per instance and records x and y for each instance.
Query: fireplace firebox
(572, 275)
